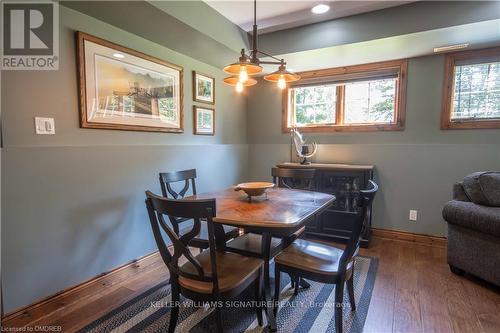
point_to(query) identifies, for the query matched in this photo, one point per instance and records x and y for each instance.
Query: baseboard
(409, 236)
(103, 278)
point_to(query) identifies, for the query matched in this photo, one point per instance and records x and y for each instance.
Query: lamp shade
(282, 73)
(233, 80)
(235, 68)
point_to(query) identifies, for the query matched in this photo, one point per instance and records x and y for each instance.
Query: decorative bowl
(253, 189)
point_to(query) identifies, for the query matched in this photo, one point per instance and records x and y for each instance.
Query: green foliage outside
(477, 91)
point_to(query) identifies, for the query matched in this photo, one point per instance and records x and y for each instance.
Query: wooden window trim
(474, 56)
(398, 66)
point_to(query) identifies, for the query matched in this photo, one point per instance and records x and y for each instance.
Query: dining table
(279, 213)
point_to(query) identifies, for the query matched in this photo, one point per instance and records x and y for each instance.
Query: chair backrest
(167, 178)
(294, 178)
(159, 207)
(365, 201)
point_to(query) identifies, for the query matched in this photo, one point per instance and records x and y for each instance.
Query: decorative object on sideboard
(254, 189)
(203, 120)
(125, 89)
(250, 64)
(203, 88)
(303, 149)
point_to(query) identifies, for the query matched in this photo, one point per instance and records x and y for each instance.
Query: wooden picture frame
(450, 61)
(204, 125)
(123, 89)
(203, 88)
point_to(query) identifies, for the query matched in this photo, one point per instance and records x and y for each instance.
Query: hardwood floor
(414, 292)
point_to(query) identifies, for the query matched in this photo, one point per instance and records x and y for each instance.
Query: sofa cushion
(470, 215)
(483, 188)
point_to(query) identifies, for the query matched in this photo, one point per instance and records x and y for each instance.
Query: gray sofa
(473, 218)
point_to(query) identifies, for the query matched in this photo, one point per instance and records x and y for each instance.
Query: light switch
(44, 125)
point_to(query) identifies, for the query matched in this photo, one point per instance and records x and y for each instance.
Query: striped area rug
(312, 310)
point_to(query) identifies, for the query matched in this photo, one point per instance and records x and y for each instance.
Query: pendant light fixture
(249, 65)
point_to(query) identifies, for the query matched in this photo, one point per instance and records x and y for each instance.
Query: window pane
(370, 102)
(314, 105)
(477, 91)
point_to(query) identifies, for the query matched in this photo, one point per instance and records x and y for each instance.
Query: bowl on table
(254, 189)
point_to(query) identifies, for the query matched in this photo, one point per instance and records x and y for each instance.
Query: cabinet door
(345, 186)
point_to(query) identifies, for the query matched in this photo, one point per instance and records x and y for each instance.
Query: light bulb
(239, 87)
(281, 82)
(243, 74)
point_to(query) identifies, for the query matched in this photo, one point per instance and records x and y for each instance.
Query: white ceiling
(283, 14)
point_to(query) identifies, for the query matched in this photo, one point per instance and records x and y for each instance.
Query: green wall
(74, 201)
(415, 168)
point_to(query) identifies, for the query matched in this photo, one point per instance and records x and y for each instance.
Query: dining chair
(302, 179)
(167, 179)
(211, 276)
(324, 263)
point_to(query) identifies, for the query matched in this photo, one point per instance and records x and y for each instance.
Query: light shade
(282, 73)
(320, 9)
(235, 68)
(233, 80)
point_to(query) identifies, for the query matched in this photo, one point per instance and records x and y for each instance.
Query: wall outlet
(413, 215)
(44, 125)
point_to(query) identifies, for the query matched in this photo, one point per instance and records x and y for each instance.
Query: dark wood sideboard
(344, 181)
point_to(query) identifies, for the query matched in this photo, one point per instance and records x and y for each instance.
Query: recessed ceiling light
(118, 55)
(320, 9)
(450, 47)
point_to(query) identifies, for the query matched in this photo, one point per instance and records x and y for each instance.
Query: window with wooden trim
(367, 97)
(471, 96)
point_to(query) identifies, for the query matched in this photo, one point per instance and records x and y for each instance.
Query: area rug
(312, 310)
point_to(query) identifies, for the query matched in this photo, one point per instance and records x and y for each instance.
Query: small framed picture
(204, 120)
(203, 88)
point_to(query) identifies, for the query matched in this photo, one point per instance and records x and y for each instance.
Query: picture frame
(203, 88)
(203, 120)
(123, 89)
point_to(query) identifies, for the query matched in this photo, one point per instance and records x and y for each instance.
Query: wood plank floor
(414, 292)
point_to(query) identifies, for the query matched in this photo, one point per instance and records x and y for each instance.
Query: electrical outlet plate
(413, 215)
(44, 125)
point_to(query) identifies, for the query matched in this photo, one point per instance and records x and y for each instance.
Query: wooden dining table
(277, 214)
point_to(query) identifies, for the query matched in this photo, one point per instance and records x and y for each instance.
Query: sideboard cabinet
(344, 181)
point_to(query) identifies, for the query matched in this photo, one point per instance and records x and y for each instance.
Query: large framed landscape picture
(203, 88)
(127, 90)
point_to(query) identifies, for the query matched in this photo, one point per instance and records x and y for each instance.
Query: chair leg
(218, 317)
(258, 298)
(292, 281)
(277, 287)
(174, 312)
(339, 298)
(297, 284)
(350, 290)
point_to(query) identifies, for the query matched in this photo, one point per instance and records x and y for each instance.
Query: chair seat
(252, 243)
(311, 257)
(233, 270)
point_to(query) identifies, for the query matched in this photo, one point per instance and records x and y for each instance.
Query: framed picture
(127, 90)
(204, 120)
(203, 88)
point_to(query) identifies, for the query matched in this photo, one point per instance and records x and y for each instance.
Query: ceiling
(284, 14)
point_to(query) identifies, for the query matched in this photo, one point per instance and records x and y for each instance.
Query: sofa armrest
(459, 192)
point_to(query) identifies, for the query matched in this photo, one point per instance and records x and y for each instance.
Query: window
(472, 90)
(356, 98)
